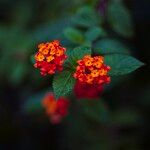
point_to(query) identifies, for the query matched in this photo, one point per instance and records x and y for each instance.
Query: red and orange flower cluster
(55, 109)
(92, 70)
(91, 73)
(50, 57)
(90, 91)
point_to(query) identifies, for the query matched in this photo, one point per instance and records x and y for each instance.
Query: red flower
(50, 57)
(83, 90)
(92, 70)
(55, 109)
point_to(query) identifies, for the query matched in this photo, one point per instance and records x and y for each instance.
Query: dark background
(24, 132)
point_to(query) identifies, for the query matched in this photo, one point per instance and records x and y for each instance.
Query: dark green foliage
(63, 84)
(122, 64)
(74, 35)
(33, 104)
(95, 110)
(94, 32)
(110, 46)
(119, 18)
(86, 17)
(94, 124)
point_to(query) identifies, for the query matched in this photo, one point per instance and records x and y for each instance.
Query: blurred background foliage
(118, 120)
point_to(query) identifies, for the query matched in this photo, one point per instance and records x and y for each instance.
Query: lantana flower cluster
(55, 109)
(92, 70)
(50, 57)
(89, 91)
(90, 74)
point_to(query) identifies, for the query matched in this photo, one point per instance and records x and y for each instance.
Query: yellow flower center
(39, 57)
(50, 58)
(102, 72)
(95, 73)
(59, 52)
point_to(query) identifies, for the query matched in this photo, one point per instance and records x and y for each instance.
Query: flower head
(84, 90)
(92, 70)
(50, 57)
(55, 109)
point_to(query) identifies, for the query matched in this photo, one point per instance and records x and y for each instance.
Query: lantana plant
(55, 109)
(77, 69)
(83, 56)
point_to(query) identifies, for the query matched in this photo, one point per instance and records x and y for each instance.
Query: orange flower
(50, 57)
(92, 70)
(55, 109)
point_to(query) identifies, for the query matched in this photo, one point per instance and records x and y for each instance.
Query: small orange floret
(94, 73)
(89, 79)
(92, 70)
(50, 57)
(55, 109)
(39, 57)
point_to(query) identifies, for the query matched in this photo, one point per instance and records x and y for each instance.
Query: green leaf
(63, 83)
(74, 35)
(32, 58)
(51, 30)
(115, 81)
(18, 73)
(120, 19)
(81, 51)
(109, 46)
(33, 105)
(76, 54)
(93, 33)
(125, 117)
(122, 64)
(86, 17)
(24, 9)
(95, 109)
